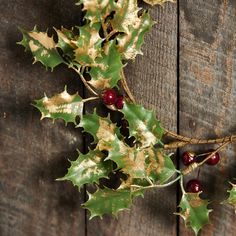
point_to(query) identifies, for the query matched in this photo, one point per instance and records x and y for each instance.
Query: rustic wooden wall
(187, 74)
(207, 83)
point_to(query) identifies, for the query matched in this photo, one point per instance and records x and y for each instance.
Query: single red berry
(193, 186)
(109, 97)
(119, 102)
(188, 158)
(214, 159)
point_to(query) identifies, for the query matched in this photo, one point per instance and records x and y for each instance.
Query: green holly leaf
(42, 47)
(65, 42)
(100, 128)
(88, 169)
(159, 2)
(107, 70)
(108, 201)
(194, 211)
(143, 124)
(129, 44)
(61, 106)
(88, 45)
(232, 196)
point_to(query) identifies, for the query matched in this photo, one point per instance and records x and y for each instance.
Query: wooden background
(187, 74)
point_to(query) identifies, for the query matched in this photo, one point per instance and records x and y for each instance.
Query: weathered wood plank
(34, 153)
(152, 78)
(207, 95)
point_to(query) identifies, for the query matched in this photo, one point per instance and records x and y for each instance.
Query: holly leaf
(106, 71)
(88, 44)
(143, 124)
(100, 128)
(61, 106)
(108, 201)
(147, 163)
(159, 2)
(159, 166)
(232, 196)
(129, 44)
(97, 10)
(65, 37)
(194, 211)
(126, 15)
(42, 47)
(88, 169)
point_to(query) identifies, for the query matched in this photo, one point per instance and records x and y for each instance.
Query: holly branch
(133, 149)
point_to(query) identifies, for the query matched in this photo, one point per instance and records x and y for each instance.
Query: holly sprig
(113, 33)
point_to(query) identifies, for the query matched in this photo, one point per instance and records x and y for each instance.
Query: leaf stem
(157, 186)
(90, 99)
(84, 81)
(181, 182)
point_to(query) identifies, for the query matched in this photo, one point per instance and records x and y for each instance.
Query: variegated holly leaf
(143, 124)
(88, 44)
(88, 169)
(65, 38)
(147, 163)
(108, 201)
(125, 16)
(159, 166)
(100, 128)
(97, 10)
(232, 196)
(42, 47)
(106, 71)
(61, 106)
(160, 2)
(129, 44)
(194, 211)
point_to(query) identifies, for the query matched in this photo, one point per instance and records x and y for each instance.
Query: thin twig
(181, 181)
(195, 165)
(85, 81)
(157, 186)
(90, 99)
(126, 87)
(186, 140)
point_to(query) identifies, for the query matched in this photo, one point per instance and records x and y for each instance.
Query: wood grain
(152, 78)
(33, 153)
(207, 95)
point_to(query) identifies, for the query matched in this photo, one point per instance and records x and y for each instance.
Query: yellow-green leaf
(42, 47)
(108, 201)
(61, 106)
(143, 124)
(232, 197)
(88, 168)
(194, 211)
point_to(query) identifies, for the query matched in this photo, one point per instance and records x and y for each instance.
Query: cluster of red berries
(110, 97)
(194, 185)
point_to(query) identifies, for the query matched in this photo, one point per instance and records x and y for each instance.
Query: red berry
(214, 159)
(194, 186)
(119, 102)
(188, 158)
(109, 97)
